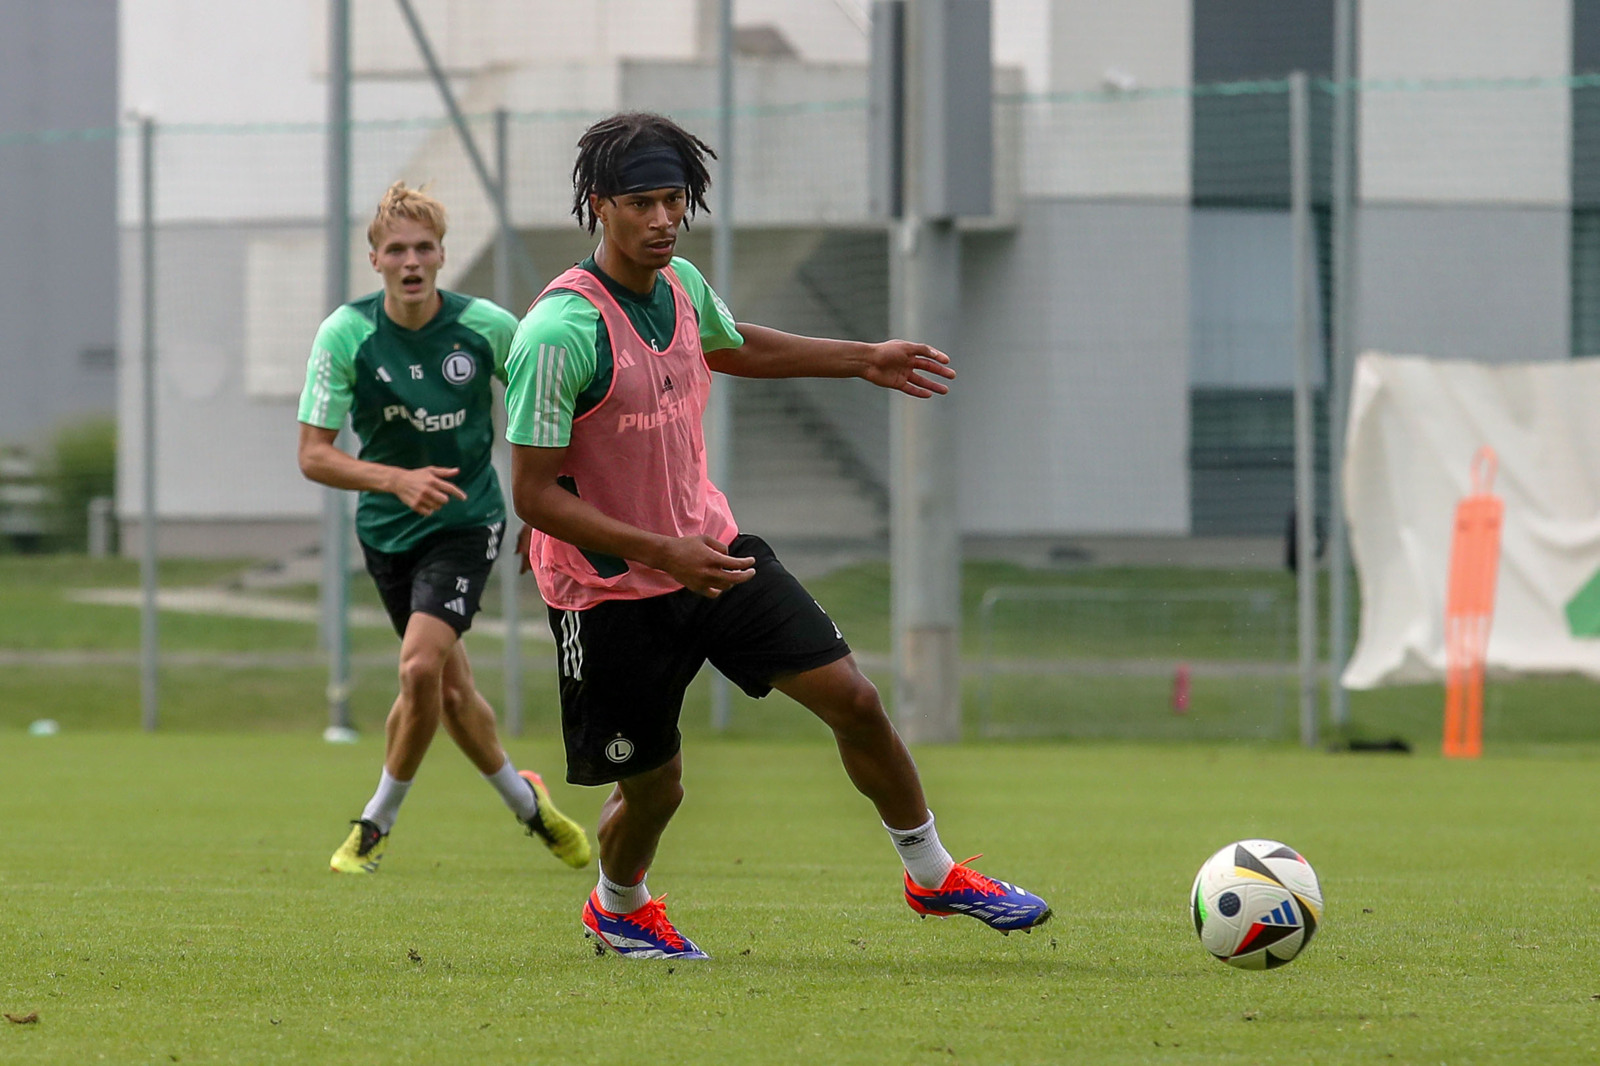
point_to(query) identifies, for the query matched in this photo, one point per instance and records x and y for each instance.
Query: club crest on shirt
(459, 367)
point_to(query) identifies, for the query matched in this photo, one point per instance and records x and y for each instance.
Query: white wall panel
(1021, 30)
(1462, 144)
(284, 302)
(1098, 148)
(1073, 396)
(1483, 283)
(819, 31)
(469, 36)
(1121, 146)
(219, 453)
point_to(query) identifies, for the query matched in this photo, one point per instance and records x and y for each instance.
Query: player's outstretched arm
(424, 490)
(700, 564)
(906, 366)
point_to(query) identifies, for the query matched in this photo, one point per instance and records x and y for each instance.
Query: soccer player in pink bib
(645, 571)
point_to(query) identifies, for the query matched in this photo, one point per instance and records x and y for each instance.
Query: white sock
(515, 790)
(621, 899)
(926, 860)
(384, 806)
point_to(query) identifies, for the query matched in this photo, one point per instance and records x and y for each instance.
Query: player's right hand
(704, 566)
(427, 488)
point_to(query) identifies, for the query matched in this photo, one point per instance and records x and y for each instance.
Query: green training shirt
(560, 361)
(415, 397)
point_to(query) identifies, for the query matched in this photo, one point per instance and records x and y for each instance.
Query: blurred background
(1127, 319)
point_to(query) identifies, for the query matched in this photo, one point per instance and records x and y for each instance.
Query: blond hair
(414, 205)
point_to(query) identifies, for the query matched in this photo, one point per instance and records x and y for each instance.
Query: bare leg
(872, 752)
(415, 715)
(468, 718)
(633, 818)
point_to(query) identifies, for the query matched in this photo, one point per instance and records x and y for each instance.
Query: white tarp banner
(1415, 425)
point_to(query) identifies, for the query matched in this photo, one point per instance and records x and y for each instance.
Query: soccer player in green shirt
(411, 366)
(646, 574)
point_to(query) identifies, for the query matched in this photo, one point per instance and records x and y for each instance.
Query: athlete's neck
(412, 315)
(624, 271)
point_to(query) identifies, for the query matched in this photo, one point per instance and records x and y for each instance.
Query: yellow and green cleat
(362, 849)
(564, 837)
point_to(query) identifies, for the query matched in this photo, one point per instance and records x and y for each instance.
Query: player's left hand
(908, 367)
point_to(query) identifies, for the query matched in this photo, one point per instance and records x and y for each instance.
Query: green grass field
(204, 690)
(167, 900)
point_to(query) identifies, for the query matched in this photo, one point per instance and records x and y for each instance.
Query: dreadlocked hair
(605, 144)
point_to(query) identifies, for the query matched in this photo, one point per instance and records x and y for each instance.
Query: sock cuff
(606, 882)
(384, 806)
(901, 835)
(515, 790)
(621, 899)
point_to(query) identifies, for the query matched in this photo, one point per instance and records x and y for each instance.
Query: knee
(420, 669)
(661, 795)
(666, 802)
(857, 708)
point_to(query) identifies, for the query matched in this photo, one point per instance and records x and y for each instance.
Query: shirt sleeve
(717, 328)
(330, 372)
(495, 325)
(552, 360)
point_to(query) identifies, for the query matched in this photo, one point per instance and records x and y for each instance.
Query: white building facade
(1125, 356)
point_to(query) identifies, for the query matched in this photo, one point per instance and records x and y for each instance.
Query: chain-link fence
(1128, 330)
(1132, 282)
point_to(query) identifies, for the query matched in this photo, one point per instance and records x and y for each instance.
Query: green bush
(82, 465)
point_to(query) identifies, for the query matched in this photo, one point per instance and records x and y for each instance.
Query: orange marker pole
(1469, 608)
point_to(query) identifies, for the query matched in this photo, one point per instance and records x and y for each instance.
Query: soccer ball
(1256, 904)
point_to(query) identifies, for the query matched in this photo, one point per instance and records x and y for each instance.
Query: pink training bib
(639, 455)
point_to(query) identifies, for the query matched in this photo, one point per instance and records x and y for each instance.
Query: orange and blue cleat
(642, 934)
(997, 904)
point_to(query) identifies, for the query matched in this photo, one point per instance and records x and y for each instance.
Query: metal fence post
(1342, 361)
(1304, 440)
(335, 522)
(509, 563)
(149, 637)
(947, 174)
(719, 443)
(101, 521)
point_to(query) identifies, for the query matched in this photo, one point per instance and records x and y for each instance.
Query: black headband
(650, 166)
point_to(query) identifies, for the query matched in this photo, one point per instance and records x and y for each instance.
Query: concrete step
(792, 477)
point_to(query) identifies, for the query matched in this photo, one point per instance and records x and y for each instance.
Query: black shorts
(625, 664)
(443, 575)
